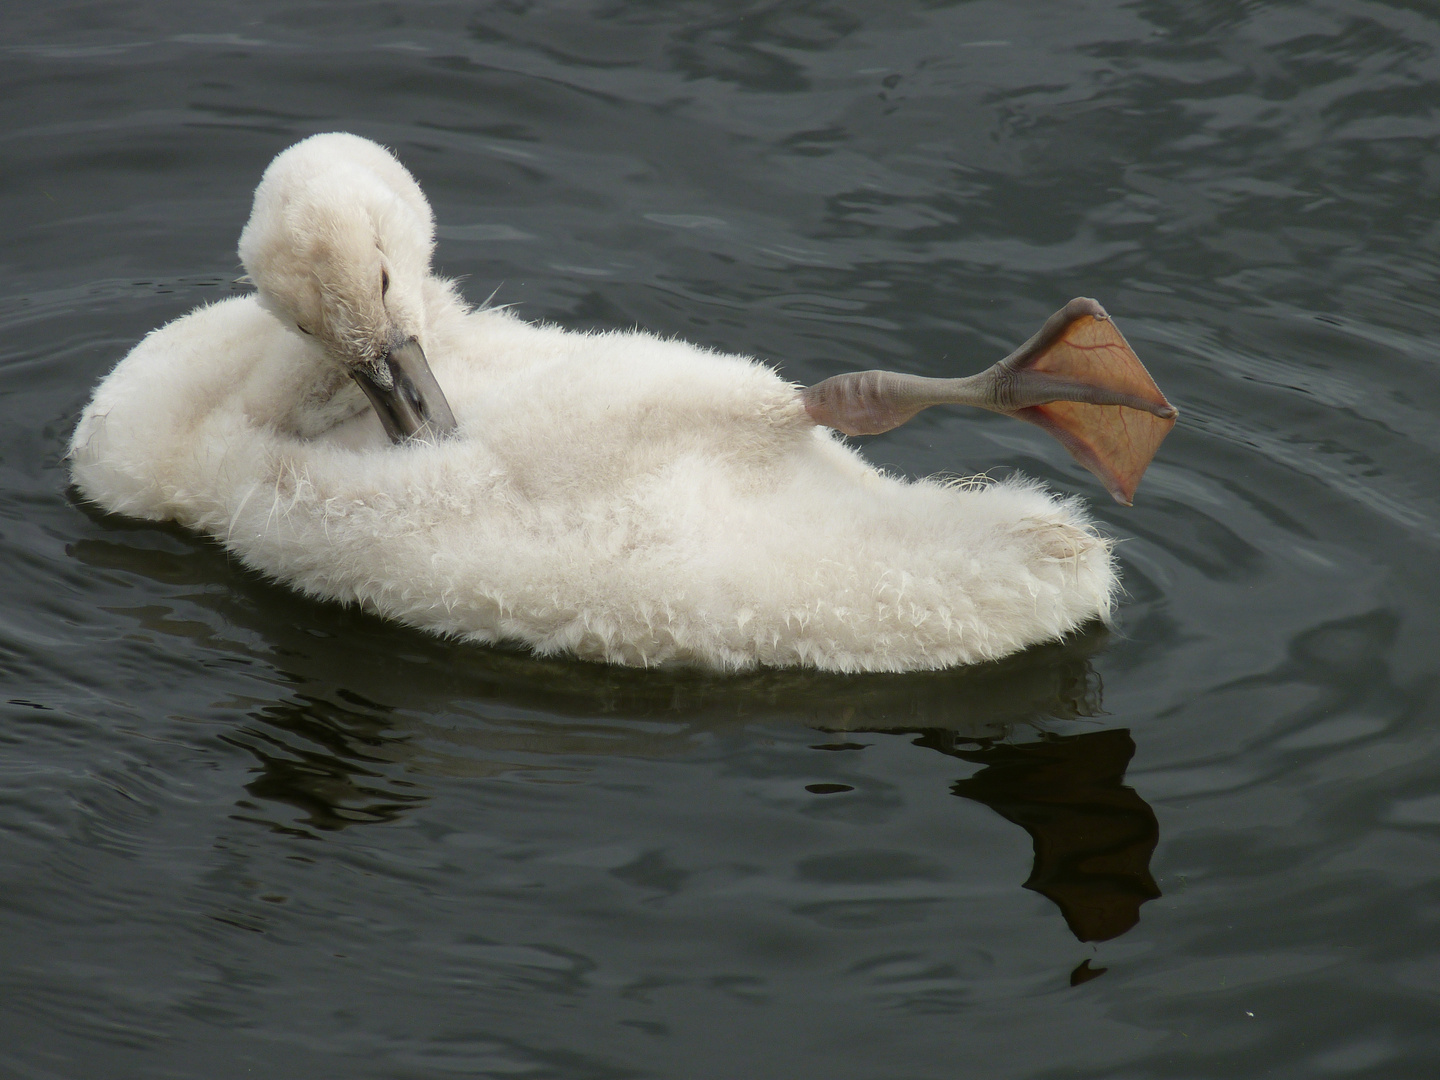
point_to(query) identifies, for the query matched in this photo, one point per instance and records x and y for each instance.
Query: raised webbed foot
(1077, 378)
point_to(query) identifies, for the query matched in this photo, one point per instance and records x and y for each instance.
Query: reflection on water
(337, 756)
(326, 759)
(1093, 835)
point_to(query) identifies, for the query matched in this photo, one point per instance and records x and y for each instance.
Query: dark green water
(243, 834)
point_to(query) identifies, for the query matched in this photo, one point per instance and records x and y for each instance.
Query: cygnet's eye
(384, 282)
(302, 329)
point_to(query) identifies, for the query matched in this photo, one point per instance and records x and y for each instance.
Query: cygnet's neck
(296, 389)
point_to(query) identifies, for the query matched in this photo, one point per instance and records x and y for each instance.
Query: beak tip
(409, 402)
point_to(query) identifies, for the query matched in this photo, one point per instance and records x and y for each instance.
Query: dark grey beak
(413, 405)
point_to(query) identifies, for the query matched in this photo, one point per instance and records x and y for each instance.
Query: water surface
(248, 834)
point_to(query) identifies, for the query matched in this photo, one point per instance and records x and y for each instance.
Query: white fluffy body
(613, 496)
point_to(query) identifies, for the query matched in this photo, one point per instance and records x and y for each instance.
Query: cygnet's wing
(1077, 378)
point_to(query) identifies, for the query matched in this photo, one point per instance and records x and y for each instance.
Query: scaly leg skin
(1077, 378)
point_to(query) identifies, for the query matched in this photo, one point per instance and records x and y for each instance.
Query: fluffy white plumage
(613, 496)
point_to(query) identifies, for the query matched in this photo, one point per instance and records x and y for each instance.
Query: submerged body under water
(247, 832)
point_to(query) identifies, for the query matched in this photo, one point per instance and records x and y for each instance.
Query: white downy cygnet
(613, 496)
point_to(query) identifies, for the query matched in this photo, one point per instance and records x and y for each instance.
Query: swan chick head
(338, 245)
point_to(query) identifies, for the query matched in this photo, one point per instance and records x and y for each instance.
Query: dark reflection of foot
(1093, 835)
(1083, 973)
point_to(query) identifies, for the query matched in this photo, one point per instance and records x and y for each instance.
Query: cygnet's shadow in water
(1093, 835)
(371, 705)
